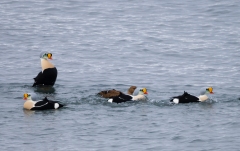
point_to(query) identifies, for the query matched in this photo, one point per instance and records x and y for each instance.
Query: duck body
(121, 98)
(114, 93)
(184, 98)
(44, 104)
(48, 75)
(125, 98)
(187, 98)
(109, 93)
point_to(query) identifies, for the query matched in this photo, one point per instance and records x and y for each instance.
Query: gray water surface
(166, 46)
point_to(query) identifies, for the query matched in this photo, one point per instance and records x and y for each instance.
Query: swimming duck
(113, 93)
(124, 97)
(187, 98)
(48, 75)
(39, 105)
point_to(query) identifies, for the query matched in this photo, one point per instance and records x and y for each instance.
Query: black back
(47, 77)
(45, 104)
(186, 98)
(122, 98)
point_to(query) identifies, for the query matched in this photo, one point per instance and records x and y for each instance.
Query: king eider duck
(124, 98)
(44, 104)
(48, 75)
(113, 93)
(187, 98)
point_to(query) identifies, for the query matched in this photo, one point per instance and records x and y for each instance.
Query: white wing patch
(176, 100)
(110, 100)
(56, 105)
(41, 105)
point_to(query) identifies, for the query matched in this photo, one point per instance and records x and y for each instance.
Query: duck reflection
(45, 89)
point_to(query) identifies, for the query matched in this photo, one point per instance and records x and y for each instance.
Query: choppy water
(165, 46)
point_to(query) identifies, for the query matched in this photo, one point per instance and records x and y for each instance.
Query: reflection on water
(206, 105)
(45, 89)
(28, 113)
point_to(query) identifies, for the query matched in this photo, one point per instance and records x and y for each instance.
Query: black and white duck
(124, 97)
(187, 98)
(48, 75)
(114, 93)
(44, 104)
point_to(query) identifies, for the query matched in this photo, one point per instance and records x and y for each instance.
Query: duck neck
(141, 93)
(46, 64)
(29, 99)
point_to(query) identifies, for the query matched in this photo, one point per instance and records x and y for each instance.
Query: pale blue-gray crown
(42, 54)
(203, 91)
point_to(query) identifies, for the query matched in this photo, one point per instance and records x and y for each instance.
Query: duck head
(208, 90)
(46, 55)
(27, 96)
(143, 91)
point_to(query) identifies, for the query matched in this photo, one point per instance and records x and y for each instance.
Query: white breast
(29, 104)
(139, 98)
(46, 64)
(203, 98)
